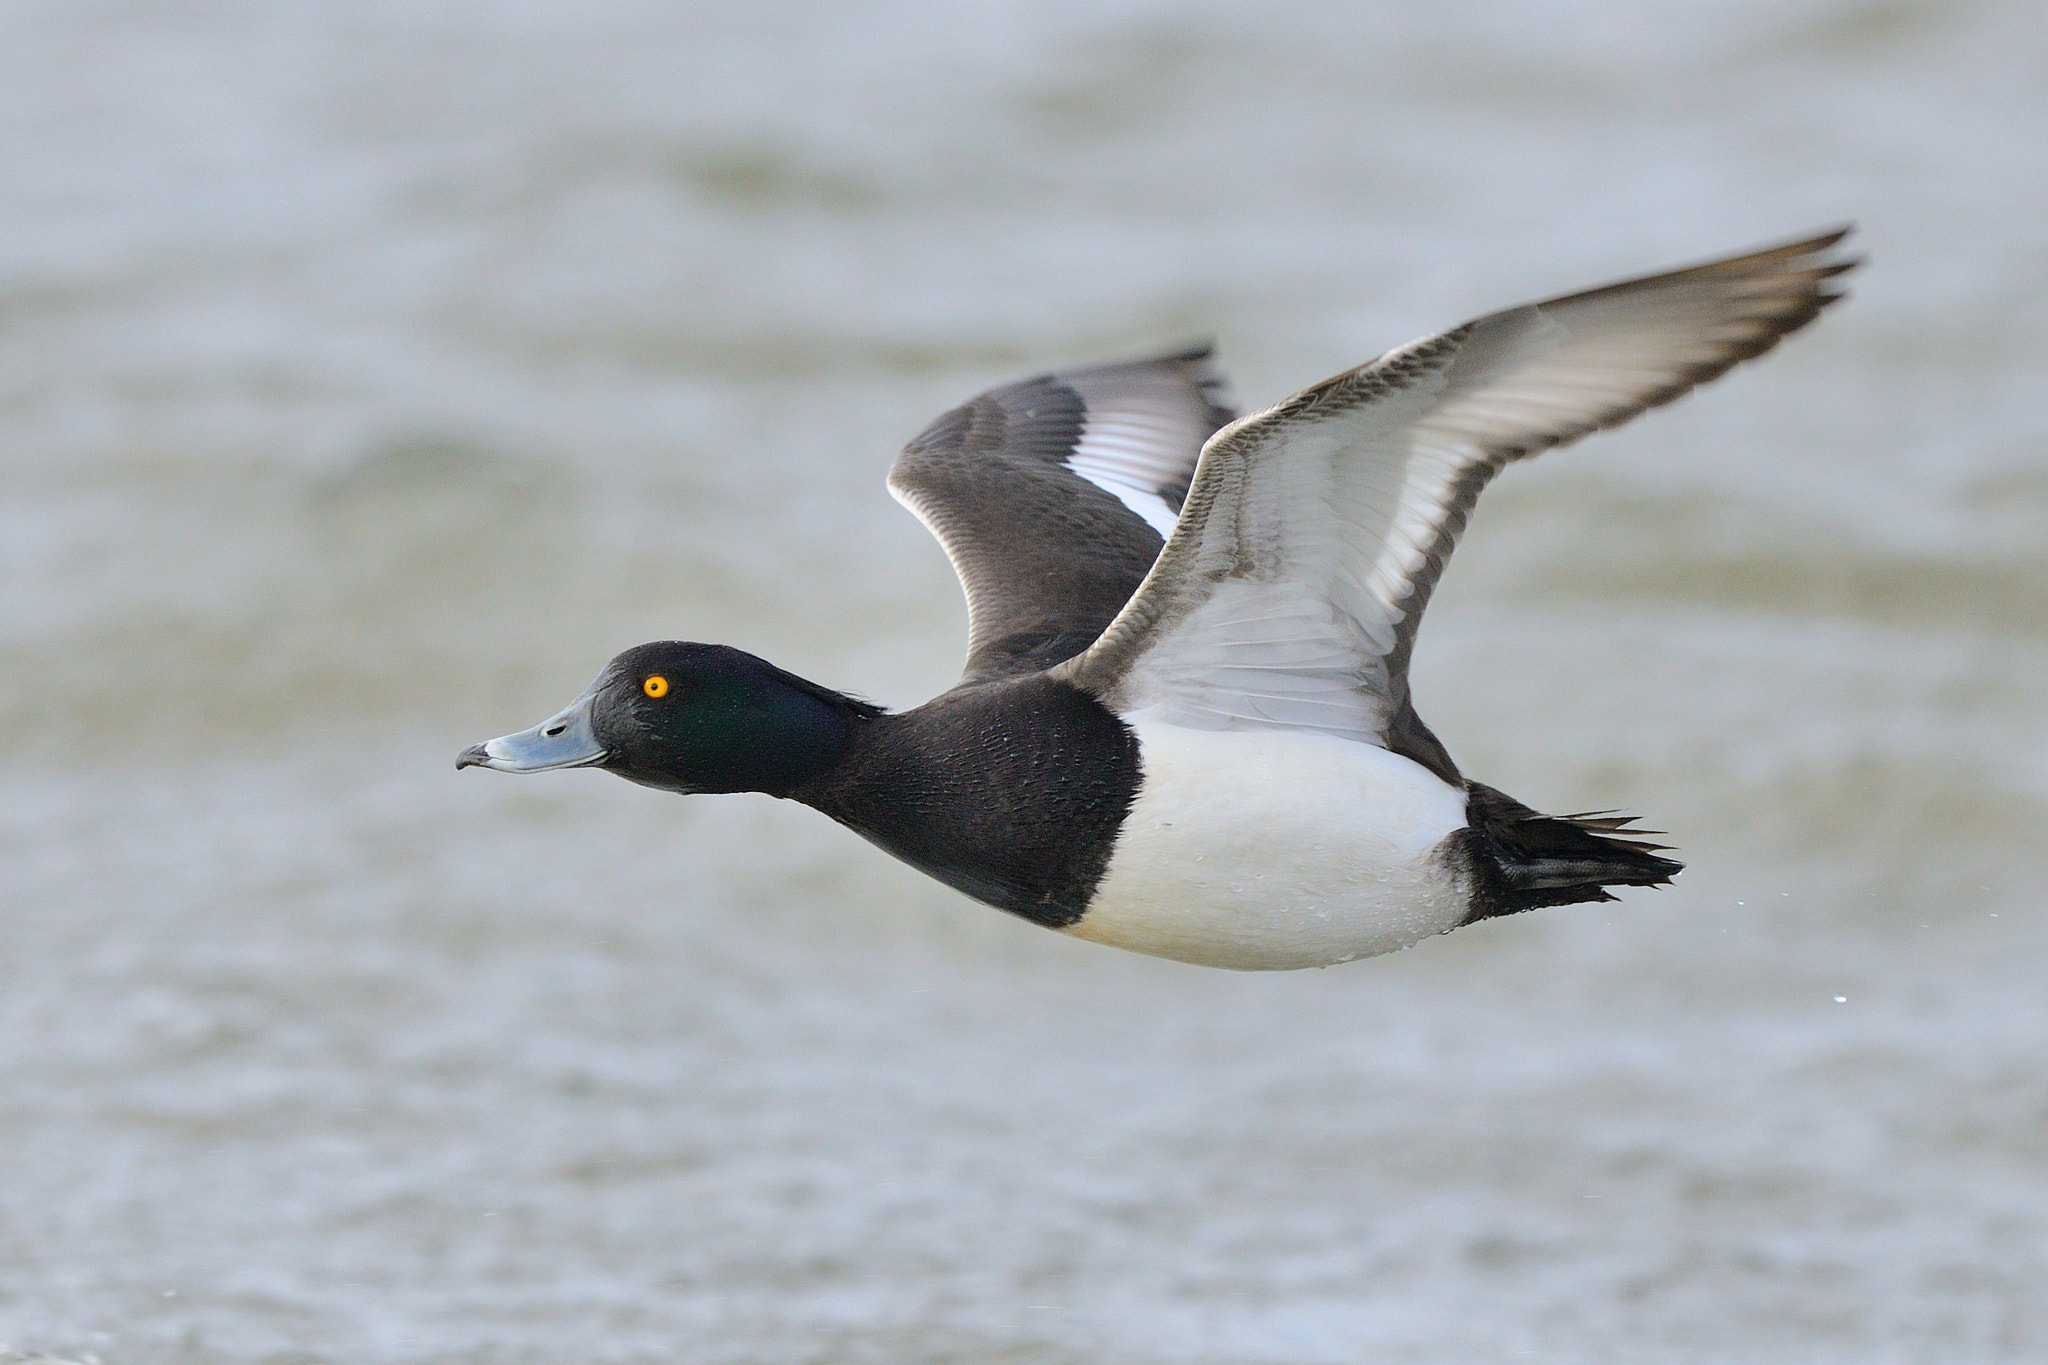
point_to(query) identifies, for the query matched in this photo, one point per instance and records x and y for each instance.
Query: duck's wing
(1289, 592)
(1052, 498)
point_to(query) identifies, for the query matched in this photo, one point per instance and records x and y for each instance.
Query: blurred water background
(371, 372)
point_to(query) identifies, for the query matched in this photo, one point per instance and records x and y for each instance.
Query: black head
(690, 718)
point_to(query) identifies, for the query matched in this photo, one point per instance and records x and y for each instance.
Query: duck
(1184, 726)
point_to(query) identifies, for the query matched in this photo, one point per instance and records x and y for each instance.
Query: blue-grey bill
(563, 740)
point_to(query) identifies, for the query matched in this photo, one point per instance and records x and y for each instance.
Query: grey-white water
(370, 373)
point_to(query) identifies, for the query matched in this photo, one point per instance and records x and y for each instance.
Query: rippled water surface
(370, 373)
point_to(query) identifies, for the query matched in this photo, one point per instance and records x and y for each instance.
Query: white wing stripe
(1130, 454)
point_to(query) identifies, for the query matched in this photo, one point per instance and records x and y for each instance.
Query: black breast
(1010, 791)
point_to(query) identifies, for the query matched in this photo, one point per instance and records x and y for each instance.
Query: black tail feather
(1520, 859)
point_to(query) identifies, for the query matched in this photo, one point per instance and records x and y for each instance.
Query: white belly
(1275, 849)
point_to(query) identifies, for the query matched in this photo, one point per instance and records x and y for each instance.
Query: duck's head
(688, 718)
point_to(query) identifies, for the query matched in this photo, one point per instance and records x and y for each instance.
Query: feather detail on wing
(1053, 496)
(1313, 533)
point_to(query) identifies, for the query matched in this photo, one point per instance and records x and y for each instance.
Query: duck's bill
(563, 740)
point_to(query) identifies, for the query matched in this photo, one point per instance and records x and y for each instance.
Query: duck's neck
(814, 729)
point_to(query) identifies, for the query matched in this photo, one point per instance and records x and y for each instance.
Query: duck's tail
(1521, 860)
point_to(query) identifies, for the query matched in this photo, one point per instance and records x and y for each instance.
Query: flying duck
(1184, 727)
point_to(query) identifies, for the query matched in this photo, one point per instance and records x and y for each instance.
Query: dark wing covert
(1053, 496)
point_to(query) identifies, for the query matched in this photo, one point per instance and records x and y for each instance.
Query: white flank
(1276, 849)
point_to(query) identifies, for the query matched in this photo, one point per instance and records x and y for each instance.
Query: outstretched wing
(1289, 593)
(1052, 498)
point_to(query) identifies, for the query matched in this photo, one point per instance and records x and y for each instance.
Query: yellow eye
(656, 686)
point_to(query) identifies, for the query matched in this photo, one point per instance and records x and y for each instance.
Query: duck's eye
(656, 686)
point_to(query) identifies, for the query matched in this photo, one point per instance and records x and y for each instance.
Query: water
(370, 374)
